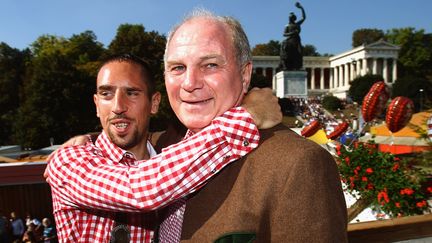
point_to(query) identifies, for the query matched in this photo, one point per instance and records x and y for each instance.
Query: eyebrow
(111, 87)
(217, 56)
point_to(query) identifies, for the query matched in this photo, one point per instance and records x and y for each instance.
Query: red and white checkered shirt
(91, 183)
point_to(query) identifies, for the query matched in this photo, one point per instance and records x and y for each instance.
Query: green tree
(272, 48)
(310, 50)
(134, 39)
(332, 103)
(12, 68)
(361, 85)
(366, 36)
(415, 55)
(410, 86)
(58, 88)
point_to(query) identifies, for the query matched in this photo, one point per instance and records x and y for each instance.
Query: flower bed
(387, 183)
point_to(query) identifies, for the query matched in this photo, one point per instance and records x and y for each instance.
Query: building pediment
(382, 44)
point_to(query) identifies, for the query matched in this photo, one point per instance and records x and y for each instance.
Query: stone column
(374, 66)
(341, 73)
(322, 79)
(352, 71)
(358, 69)
(346, 74)
(385, 71)
(394, 71)
(331, 70)
(364, 66)
(312, 78)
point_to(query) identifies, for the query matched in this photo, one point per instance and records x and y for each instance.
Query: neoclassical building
(333, 74)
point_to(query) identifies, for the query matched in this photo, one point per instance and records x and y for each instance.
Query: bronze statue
(291, 53)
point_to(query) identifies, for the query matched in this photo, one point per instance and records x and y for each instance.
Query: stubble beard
(125, 142)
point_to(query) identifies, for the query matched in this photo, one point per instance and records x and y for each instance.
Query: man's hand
(77, 140)
(264, 107)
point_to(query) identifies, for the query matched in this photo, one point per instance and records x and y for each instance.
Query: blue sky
(329, 24)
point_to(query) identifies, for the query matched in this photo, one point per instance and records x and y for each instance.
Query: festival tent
(406, 140)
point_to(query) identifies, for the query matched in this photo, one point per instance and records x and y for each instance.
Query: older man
(287, 190)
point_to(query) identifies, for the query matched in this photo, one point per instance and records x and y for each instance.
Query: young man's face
(123, 105)
(202, 77)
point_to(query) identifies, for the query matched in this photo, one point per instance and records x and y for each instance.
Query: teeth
(121, 125)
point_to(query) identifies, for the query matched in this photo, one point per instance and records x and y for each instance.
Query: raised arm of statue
(298, 5)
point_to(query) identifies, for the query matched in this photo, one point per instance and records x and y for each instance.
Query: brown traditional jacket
(287, 190)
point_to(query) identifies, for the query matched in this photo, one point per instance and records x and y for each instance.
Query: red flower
(407, 191)
(383, 195)
(396, 159)
(356, 170)
(347, 160)
(369, 170)
(364, 178)
(395, 167)
(397, 204)
(429, 189)
(421, 204)
(369, 186)
(338, 153)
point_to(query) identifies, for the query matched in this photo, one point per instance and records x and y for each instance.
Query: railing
(391, 230)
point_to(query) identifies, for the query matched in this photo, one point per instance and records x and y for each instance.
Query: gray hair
(238, 35)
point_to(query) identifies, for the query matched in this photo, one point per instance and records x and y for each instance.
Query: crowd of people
(16, 230)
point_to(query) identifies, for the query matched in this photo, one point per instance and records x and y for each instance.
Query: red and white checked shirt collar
(90, 183)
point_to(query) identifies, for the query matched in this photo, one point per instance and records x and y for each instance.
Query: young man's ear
(246, 76)
(95, 100)
(155, 101)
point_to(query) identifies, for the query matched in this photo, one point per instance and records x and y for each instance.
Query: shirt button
(214, 171)
(245, 142)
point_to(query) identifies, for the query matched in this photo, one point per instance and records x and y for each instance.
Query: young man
(106, 191)
(287, 190)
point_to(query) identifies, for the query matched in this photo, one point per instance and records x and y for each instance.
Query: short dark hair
(144, 66)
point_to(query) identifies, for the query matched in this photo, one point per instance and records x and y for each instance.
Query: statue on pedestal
(291, 53)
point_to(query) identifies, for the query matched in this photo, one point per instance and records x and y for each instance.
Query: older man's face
(202, 77)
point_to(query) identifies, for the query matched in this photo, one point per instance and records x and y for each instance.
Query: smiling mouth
(197, 102)
(121, 125)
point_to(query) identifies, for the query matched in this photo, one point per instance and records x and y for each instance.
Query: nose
(120, 103)
(193, 80)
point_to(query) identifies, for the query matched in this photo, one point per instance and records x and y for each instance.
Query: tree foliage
(12, 69)
(415, 55)
(410, 86)
(133, 39)
(58, 90)
(310, 50)
(361, 85)
(272, 48)
(366, 36)
(332, 103)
